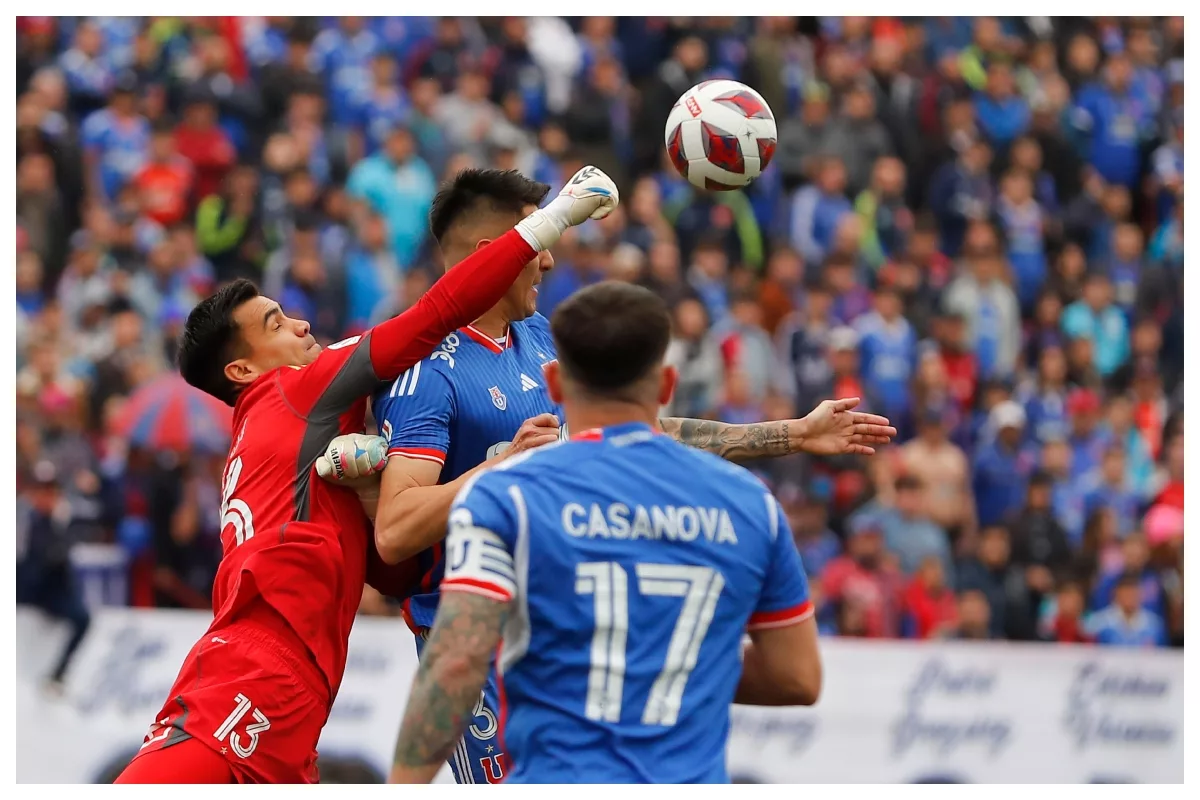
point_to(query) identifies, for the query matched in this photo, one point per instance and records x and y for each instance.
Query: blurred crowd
(974, 224)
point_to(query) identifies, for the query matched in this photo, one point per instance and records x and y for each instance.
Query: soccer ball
(721, 135)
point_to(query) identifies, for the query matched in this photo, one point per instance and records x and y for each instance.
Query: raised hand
(834, 428)
(590, 194)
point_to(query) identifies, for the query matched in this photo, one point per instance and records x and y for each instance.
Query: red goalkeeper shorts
(243, 695)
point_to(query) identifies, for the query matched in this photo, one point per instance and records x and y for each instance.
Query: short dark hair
(473, 191)
(610, 336)
(210, 340)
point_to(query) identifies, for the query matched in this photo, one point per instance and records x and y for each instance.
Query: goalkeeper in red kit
(254, 693)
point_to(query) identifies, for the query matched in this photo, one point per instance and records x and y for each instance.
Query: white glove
(590, 194)
(353, 457)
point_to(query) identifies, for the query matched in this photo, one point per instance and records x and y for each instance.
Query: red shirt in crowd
(1068, 629)
(211, 154)
(1148, 418)
(962, 377)
(929, 610)
(164, 189)
(874, 592)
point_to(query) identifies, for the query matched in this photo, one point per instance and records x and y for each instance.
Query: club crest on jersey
(498, 398)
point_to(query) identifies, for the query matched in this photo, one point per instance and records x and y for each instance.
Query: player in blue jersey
(621, 592)
(481, 395)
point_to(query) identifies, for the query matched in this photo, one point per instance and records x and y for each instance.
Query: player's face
(522, 296)
(272, 340)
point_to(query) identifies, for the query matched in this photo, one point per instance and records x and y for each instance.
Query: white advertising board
(895, 712)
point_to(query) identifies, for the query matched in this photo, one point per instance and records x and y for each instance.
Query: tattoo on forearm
(450, 678)
(731, 442)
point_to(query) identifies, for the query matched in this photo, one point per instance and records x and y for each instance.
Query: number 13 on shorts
(242, 748)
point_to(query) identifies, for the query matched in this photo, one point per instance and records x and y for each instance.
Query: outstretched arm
(454, 667)
(737, 442)
(832, 428)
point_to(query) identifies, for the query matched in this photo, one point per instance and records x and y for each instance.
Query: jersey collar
(490, 344)
(600, 434)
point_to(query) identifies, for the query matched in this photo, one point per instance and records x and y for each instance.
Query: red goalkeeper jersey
(299, 544)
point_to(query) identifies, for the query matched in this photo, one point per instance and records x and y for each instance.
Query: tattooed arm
(737, 442)
(454, 667)
(833, 428)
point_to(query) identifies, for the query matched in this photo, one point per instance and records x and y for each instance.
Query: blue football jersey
(635, 565)
(461, 406)
(888, 354)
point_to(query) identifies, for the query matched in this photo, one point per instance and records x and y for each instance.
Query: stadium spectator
(399, 186)
(1125, 623)
(1000, 466)
(930, 606)
(44, 576)
(863, 584)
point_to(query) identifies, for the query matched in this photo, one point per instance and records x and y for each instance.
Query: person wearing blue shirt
(371, 273)
(1107, 487)
(344, 54)
(1114, 120)
(1002, 113)
(1045, 402)
(1139, 461)
(265, 40)
(1088, 439)
(807, 513)
(463, 407)
(1095, 317)
(1024, 229)
(888, 349)
(960, 192)
(817, 209)
(618, 595)
(1125, 268)
(1135, 560)
(116, 140)
(400, 187)
(383, 106)
(1000, 467)
(402, 34)
(89, 74)
(1126, 623)
(907, 530)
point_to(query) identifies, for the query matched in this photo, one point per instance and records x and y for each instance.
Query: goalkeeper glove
(590, 194)
(354, 460)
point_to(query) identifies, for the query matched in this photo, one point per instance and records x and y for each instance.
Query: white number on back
(608, 583)
(234, 511)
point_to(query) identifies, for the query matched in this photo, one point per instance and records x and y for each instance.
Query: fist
(590, 194)
(351, 457)
(535, 432)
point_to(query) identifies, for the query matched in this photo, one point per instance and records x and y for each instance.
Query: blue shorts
(478, 758)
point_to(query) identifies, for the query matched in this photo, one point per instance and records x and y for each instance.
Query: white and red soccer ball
(721, 135)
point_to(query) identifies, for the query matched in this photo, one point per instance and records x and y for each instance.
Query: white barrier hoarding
(890, 712)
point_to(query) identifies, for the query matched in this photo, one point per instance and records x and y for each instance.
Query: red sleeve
(353, 368)
(458, 298)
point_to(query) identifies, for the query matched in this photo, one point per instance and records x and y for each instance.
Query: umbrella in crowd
(168, 414)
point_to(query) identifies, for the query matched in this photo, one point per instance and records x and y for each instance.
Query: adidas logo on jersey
(527, 383)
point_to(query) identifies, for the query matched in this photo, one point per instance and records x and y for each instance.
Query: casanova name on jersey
(676, 524)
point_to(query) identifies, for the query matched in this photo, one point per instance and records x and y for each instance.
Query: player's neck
(494, 323)
(581, 417)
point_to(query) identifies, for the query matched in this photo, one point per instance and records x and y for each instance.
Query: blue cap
(861, 523)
